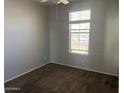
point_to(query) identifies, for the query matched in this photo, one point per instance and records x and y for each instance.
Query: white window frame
(78, 22)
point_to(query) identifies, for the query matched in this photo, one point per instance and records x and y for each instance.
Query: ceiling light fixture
(57, 1)
(63, 1)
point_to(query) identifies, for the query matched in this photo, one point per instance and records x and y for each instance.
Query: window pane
(75, 37)
(80, 41)
(84, 42)
(74, 26)
(80, 26)
(78, 30)
(84, 45)
(74, 16)
(84, 26)
(84, 37)
(75, 30)
(80, 15)
(75, 41)
(85, 15)
(84, 30)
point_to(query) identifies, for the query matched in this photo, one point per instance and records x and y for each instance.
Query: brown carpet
(53, 78)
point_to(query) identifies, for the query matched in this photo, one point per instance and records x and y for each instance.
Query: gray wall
(112, 37)
(103, 44)
(26, 36)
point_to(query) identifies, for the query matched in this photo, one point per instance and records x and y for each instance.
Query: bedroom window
(79, 28)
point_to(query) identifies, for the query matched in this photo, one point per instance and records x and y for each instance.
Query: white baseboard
(59, 64)
(24, 73)
(85, 69)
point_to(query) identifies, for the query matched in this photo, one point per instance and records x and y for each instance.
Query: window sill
(79, 52)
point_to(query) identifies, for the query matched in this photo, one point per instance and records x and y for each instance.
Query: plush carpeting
(53, 78)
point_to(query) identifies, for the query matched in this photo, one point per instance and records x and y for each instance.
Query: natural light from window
(79, 28)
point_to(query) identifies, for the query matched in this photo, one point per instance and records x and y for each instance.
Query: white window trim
(70, 50)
